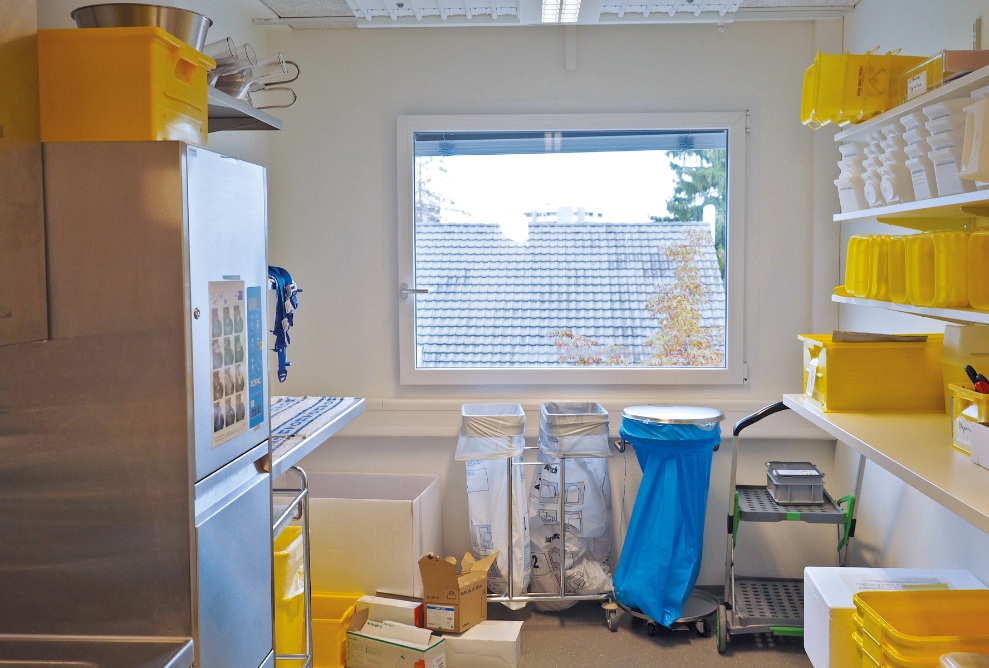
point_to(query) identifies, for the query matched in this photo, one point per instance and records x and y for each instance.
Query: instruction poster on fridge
(229, 359)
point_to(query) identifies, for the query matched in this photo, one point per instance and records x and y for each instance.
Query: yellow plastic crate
(936, 265)
(968, 408)
(873, 376)
(289, 581)
(850, 88)
(331, 615)
(121, 84)
(915, 627)
(978, 256)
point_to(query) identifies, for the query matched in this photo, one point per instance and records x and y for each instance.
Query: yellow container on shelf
(874, 376)
(858, 265)
(121, 84)
(896, 274)
(331, 615)
(937, 269)
(289, 590)
(878, 267)
(969, 409)
(915, 627)
(978, 257)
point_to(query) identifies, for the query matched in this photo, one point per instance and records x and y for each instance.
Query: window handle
(406, 291)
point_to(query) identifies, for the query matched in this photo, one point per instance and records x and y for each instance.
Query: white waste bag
(587, 516)
(491, 437)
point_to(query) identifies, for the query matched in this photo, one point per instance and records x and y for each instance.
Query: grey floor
(579, 638)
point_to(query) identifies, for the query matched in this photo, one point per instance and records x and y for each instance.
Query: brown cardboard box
(455, 603)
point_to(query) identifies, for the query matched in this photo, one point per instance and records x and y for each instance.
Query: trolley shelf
(768, 602)
(756, 504)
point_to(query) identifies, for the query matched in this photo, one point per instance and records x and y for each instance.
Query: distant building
(565, 215)
(492, 300)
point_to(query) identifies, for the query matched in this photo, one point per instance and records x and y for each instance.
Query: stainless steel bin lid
(673, 414)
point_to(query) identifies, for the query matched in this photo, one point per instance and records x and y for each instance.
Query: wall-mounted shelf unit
(228, 113)
(958, 315)
(916, 448)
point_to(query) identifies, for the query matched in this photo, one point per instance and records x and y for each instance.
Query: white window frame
(733, 372)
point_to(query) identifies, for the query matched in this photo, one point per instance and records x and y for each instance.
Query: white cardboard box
(368, 530)
(373, 644)
(490, 644)
(828, 605)
(382, 609)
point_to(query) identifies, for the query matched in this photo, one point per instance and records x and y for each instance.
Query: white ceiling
(412, 13)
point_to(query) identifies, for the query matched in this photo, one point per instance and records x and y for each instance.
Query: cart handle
(758, 415)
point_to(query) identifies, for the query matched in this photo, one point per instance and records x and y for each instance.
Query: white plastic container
(952, 123)
(975, 160)
(917, 134)
(945, 108)
(913, 120)
(896, 185)
(852, 150)
(946, 163)
(851, 195)
(871, 189)
(922, 177)
(953, 140)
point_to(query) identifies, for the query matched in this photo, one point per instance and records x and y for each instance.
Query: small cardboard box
(490, 644)
(828, 604)
(373, 644)
(368, 530)
(455, 603)
(384, 609)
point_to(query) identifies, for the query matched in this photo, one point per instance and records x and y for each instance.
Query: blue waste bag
(661, 556)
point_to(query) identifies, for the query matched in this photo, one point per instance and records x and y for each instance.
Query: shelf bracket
(927, 223)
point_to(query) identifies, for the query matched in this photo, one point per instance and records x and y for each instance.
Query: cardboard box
(490, 644)
(455, 603)
(383, 609)
(828, 605)
(368, 530)
(373, 644)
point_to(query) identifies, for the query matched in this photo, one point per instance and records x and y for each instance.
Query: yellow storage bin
(937, 269)
(896, 274)
(875, 376)
(331, 615)
(978, 256)
(850, 88)
(915, 627)
(121, 84)
(290, 610)
(968, 408)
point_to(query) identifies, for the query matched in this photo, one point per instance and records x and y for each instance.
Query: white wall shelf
(957, 315)
(951, 211)
(228, 113)
(914, 447)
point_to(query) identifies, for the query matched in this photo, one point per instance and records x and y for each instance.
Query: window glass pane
(571, 249)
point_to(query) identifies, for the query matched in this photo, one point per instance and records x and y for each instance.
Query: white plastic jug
(975, 158)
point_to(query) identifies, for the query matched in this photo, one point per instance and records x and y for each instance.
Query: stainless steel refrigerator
(134, 496)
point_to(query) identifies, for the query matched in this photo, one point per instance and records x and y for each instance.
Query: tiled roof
(492, 300)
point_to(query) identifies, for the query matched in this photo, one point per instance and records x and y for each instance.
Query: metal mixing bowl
(186, 25)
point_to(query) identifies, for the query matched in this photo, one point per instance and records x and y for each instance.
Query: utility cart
(773, 605)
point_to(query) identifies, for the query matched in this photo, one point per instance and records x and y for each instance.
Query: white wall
(333, 225)
(897, 525)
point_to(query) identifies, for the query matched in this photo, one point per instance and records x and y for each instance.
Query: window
(571, 249)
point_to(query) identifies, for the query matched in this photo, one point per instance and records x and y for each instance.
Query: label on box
(916, 85)
(440, 616)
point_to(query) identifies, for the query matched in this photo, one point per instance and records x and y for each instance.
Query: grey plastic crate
(795, 482)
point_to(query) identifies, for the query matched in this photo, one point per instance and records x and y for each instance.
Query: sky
(627, 187)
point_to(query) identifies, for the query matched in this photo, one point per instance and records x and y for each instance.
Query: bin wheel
(703, 628)
(652, 629)
(611, 615)
(722, 629)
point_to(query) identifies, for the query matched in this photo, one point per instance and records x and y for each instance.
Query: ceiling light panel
(419, 9)
(673, 8)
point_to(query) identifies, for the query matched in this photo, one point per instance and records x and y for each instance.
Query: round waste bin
(661, 556)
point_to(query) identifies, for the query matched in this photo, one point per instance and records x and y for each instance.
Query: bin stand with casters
(645, 427)
(772, 605)
(609, 606)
